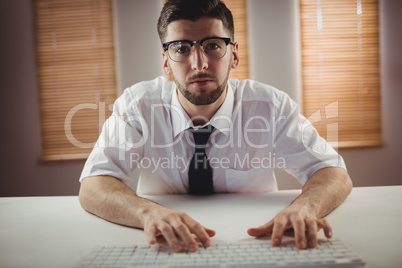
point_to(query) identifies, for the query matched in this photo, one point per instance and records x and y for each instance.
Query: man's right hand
(112, 200)
(177, 228)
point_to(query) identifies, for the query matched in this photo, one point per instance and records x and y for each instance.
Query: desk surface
(56, 232)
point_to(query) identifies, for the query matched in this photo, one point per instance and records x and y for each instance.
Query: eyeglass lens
(213, 48)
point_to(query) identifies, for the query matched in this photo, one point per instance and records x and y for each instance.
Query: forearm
(113, 201)
(324, 191)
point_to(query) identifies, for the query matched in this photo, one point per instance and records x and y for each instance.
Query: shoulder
(156, 91)
(251, 90)
(158, 88)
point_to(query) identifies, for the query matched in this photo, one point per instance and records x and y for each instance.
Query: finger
(150, 234)
(210, 232)
(299, 227)
(184, 233)
(199, 231)
(170, 236)
(261, 230)
(311, 230)
(280, 226)
(324, 224)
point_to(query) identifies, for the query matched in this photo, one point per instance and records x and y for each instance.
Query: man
(155, 127)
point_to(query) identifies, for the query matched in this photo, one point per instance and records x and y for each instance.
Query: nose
(198, 59)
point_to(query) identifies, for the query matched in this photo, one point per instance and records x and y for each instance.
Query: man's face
(200, 79)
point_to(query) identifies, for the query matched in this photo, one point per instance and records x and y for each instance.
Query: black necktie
(200, 171)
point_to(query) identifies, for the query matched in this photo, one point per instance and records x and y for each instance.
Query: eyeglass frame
(227, 41)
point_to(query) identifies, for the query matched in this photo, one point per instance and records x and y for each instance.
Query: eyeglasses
(213, 47)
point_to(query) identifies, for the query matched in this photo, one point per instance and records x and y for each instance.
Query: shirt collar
(222, 120)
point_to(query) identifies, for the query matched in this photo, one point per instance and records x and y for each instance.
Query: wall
(273, 59)
(137, 50)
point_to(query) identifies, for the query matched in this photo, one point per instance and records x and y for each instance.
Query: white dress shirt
(257, 128)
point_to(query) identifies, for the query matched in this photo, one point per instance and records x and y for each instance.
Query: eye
(212, 46)
(180, 48)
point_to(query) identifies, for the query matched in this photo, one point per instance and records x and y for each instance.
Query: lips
(201, 82)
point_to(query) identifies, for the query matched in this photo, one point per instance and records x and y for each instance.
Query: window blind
(76, 74)
(239, 12)
(341, 73)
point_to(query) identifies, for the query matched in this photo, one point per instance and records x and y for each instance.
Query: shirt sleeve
(297, 143)
(119, 147)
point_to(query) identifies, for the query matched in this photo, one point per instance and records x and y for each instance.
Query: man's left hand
(304, 223)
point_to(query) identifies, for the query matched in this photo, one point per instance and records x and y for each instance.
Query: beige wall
(273, 59)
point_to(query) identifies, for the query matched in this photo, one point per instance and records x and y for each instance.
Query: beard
(202, 99)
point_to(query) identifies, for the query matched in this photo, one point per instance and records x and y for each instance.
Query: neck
(201, 114)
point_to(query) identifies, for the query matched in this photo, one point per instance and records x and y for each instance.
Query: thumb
(261, 230)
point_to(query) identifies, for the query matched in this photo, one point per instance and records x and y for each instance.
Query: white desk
(55, 231)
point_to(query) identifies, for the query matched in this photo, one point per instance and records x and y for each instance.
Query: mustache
(200, 75)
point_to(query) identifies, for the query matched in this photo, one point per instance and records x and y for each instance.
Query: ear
(236, 58)
(165, 65)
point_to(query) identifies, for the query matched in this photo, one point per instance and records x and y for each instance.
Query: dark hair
(193, 10)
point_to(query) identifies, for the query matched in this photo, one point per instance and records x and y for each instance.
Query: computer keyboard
(328, 253)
